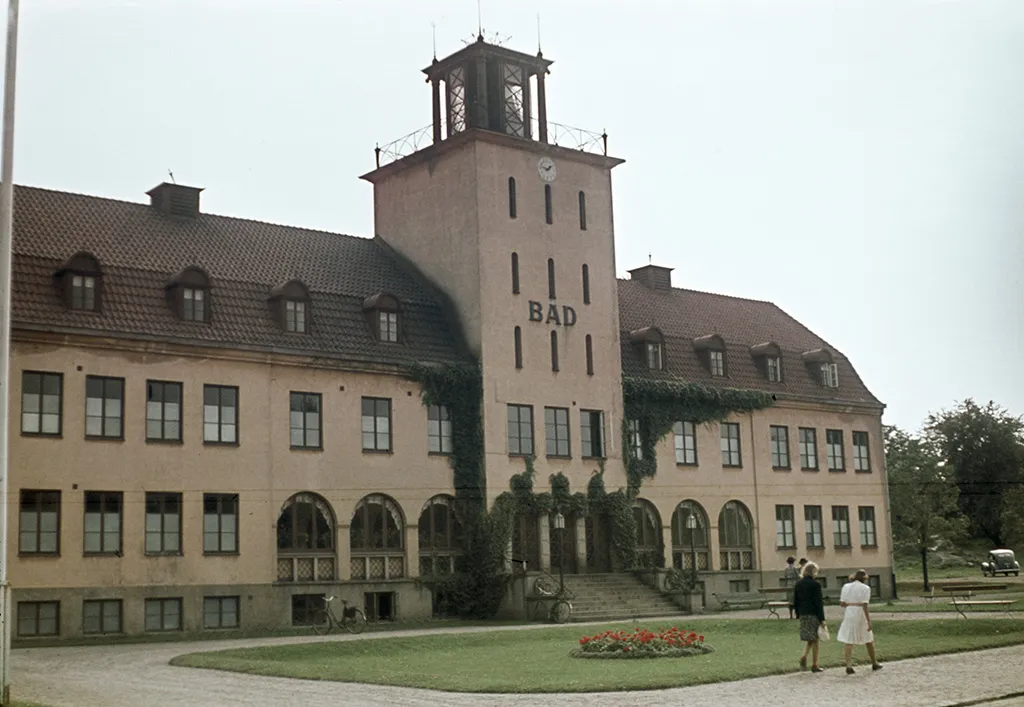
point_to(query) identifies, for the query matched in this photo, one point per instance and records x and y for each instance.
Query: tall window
(512, 197)
(520, 430)
(655, 359)
(220, 612)
(812, 526)
(515, 273)
(867, 526)
(586, 284)
(518, 340)
(163, 523)
(83, 292)
(304, 421)
(592, 434)
(551, 278)
(686, 442)
(554, 351)
(731, 444)
(834, 450)
(220, 414)
(104, 407)
(636, 447)
(808, 449)
(295, 316)
(785, 533)
(163, 614)
(690, 537)
(583, 211)
(220, 523)
(774, 369)
(103, 522)
(163, 411)
(439, 430)
(735, 537)
(38, 618)
(388, 323)
(193, 304)
(441, 536)
(548, 210)
(861, 457)
(101, 616)
(780, 446)
(41, 404)
(376, 424)
(556, 431)
(841, 526)
(589, 344)
(717, 360)
(829, 375)
(39, 523)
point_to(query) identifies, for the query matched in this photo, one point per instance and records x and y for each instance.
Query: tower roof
(533, 64)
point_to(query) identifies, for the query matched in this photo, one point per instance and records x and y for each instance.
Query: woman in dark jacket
(810, 609)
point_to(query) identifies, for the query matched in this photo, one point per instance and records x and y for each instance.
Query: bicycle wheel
(561, 611)
(544, 587)
(321, 622)
(355, 623)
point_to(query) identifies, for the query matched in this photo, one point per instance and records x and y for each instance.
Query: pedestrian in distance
(856, 627)
(810, 609)
(791, 575)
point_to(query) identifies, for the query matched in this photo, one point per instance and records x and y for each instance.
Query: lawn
(537, 660)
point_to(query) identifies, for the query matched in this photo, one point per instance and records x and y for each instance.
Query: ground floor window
(739, 585)
(875, 582)
(304, 608)
(220, 612)
(379, 606)
(101, 616)
(163, 614)
(38, 618)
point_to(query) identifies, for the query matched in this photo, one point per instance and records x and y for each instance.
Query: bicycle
(352, 619)
(561, 610)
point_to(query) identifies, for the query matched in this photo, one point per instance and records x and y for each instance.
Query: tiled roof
(140, 249)
(684, 315)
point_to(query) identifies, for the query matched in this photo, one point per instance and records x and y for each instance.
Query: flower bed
(641, 643)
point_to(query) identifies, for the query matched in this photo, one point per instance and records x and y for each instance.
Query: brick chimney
(653, 276)
(175, 200)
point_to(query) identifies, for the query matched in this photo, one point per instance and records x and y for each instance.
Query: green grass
(943, 605)
(538, 660)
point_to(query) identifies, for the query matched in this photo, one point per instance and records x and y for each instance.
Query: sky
(858, 162)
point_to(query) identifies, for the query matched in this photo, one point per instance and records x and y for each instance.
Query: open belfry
(217, 422)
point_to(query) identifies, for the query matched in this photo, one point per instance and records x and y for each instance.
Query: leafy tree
(985, 446)
(922, 495)
(1013, 517)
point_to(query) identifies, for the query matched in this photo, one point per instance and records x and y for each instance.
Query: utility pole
(6, 242)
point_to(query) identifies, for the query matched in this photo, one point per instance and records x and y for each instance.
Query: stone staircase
(616, 596)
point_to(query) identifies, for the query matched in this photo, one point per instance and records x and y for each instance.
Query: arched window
(188, 294)
(440, 532)
(649, 548)
(376, 539)
(690, 537)
(79, 281)
(735, 537)
(305, 540)
(511, 197)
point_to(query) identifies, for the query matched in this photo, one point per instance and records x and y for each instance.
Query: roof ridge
(703, 292)
(144, 205)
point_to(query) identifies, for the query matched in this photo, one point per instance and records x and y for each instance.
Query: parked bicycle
(546, 586)
(352, 619)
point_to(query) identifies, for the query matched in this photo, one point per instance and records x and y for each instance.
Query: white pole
(6, 238)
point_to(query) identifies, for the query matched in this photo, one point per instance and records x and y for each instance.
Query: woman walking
(810, 609)
(856, 627)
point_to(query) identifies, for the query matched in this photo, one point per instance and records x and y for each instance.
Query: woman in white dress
(856, 627)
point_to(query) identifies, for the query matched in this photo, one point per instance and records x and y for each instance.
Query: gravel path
(130, 675)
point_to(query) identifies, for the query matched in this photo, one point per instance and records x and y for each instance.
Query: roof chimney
(653, 276)
(175, 200)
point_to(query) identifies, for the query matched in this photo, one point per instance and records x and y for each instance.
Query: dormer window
(290, 305)
(188, 294)
(768, 358)
(819, 362)
(650, 343)
(711, 352)
(384, 316)
(829, 375)
(78, 282)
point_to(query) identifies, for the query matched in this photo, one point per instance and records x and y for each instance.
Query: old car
(1000, 562)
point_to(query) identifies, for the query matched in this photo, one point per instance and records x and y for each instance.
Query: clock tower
(511, 216)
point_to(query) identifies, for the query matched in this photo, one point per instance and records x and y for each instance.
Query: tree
(1013, 517)
(922, 495)
(985, 447)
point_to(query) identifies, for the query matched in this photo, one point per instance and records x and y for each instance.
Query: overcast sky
(858, 162)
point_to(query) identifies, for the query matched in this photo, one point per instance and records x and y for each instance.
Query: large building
(214, 424)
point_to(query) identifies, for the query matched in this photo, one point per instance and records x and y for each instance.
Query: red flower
(700, 638)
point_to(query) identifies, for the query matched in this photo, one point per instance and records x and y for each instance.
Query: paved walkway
(131, 675)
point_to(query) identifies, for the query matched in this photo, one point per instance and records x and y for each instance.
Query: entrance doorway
(562, 545)
(599, 546)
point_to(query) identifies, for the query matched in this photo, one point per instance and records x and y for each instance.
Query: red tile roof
(684, 315)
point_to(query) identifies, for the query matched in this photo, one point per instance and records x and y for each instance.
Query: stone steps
(616, 597)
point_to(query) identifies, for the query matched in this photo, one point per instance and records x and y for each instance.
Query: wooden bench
(961, 605)
(734, 599)
(774, 606)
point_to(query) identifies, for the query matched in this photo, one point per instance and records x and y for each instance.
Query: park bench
(774, 606)
(962, 601)
(735, 599)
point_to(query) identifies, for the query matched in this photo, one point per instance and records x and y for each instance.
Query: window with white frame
(636, 446)
(388, 326)
(834, 450)
(716, 361)
(808, 449)
(774, 368)
(779, 435)
(829, 375)
(439, 430)
(295, 316)
(655, 358)
(685, 433)
(730, 433)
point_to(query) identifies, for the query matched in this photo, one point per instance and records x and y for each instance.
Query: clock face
(546, 169)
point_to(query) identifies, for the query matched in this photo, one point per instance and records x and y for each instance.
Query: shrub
(641, 643)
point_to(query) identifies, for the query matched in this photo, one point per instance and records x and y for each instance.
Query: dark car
(1000, 562)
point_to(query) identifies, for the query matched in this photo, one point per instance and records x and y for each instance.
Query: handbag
(823, 634)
